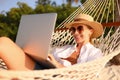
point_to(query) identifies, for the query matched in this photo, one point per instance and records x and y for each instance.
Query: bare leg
(13, 56)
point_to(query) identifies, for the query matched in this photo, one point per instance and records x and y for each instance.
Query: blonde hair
(89, 27)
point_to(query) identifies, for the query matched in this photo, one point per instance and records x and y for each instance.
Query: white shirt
(88, 52)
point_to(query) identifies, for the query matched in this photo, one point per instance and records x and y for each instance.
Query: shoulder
(92, 52)
(95, 52)
(92, 47)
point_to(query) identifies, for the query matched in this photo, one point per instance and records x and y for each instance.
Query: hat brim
(97, 27)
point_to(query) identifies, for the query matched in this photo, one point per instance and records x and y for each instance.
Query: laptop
(34, 35)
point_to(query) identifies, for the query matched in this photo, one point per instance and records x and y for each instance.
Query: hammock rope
(118, 7)
(109, 43)
(100, 10)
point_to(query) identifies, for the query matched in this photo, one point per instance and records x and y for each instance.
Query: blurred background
(12, 10)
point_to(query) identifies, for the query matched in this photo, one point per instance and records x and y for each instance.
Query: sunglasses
(73, 29)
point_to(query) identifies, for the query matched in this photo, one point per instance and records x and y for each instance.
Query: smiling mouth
(76, 38)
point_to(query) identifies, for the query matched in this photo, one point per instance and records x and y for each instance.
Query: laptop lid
(35, 32)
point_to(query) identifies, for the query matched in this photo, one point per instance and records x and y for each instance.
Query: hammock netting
(106, 12)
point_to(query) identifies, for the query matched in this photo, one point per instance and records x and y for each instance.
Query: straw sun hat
(87, 20)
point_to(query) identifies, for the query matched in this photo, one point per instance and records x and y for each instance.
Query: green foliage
(44, 9)
(9, 21)
(64, 12)
(82, 1)
(69, 2)
(43, 2)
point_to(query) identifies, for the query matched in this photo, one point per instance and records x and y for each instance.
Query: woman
(83, 29)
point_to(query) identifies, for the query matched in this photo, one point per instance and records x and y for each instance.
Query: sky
(6, 5)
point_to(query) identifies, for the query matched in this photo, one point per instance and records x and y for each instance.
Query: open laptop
(34, 35)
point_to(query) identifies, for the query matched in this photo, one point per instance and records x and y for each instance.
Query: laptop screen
(35, 32)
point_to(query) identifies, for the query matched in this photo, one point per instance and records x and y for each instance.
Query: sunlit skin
(20, 61)
(82, 36)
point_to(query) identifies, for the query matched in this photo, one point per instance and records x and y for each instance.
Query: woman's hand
(53, 60)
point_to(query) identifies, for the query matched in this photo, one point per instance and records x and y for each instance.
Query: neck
(82, 43)
(79, 46)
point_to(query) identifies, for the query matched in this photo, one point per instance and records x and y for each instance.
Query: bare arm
(52, 59)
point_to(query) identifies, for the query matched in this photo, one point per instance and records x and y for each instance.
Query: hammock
(97, 69)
